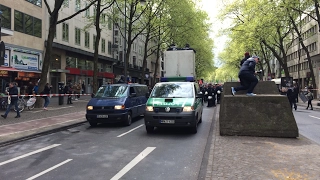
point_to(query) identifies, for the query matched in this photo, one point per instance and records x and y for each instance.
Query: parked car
(115, 103)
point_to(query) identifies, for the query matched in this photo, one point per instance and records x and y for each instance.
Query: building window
(94, 41)
(87, 40)
(103, 45)
(65, 32)
(6, 17)
(77, 36)
(35, 2)
(78, 5)
(134, 60)
(66, 3)
(27, 24)
(87, 12)
(109, 23)
(109, 47)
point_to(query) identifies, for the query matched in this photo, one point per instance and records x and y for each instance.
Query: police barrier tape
(42, 95)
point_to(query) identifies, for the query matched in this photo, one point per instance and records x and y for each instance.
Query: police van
(174, 102)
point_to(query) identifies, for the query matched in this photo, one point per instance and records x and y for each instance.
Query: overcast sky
(212, 7)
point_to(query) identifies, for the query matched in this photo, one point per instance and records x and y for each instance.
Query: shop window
(27, 24)
(103, 45)
(71, 62)
(89, 65)
(77, 36)
(87, 40)
(65, 32)
(6, 17)
(108, 68)
(81, 64)
(35, 2)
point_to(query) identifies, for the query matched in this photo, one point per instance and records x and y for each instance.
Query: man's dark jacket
(13, 91)
(248, 67)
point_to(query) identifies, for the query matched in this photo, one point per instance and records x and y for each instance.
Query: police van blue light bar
(177, 79)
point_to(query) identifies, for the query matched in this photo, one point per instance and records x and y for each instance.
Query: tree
(54, 16)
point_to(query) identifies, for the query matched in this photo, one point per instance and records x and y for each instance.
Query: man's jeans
(15, 104)
(248, 82)
(46, 101)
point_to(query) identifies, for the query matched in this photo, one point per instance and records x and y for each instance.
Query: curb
(35, 135)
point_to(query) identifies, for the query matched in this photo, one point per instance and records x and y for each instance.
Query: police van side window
(141, 90)
(132, 90)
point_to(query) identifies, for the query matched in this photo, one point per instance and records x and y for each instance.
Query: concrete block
(267, 115)
(263, 87)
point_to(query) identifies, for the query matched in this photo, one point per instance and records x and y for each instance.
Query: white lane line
(29, 154)
(134, 162)
(130, 130)
(48, 170)
(314, 117)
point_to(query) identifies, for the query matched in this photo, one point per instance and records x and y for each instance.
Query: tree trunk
(96, 48)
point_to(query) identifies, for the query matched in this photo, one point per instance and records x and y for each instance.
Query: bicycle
(23, 103)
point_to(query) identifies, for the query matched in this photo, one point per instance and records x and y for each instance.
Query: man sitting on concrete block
(247, 78)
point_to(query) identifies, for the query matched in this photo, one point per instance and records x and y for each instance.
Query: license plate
(167, 121)
(102, 116)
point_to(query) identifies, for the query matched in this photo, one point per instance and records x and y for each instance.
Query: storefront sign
(4, 73)
(6, 58)
(26, 61)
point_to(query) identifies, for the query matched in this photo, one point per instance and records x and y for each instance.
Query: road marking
(134, 162)
(130, 130)
(40, 127)
(29, 154)
(48, 170)
(314, 117)
(51, 109)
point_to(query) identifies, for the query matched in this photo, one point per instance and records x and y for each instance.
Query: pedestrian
(46, 92)
(310, 98)
(246, 56)
(211, 94)
(296, 91)
(219, 91)
(247, 77)
(292, 97)
(69, 90)
(83, 87)
(13, 91)
(30, 88)
(35, 88)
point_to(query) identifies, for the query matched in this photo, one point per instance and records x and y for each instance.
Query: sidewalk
(255, 158)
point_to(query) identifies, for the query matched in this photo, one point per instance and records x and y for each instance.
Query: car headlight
(90, 107)
(149, 108)
(119, 107)
(188, 108)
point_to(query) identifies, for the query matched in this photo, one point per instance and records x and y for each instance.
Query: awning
(29, 71)
(3, 68)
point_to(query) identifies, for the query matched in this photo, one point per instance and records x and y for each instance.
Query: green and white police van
(174, 102)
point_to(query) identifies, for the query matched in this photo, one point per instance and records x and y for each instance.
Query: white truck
(179, 63)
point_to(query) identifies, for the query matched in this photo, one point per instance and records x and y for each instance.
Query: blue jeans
(46, 101)
(15, 104)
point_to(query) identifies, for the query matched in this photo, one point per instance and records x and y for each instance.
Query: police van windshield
(111, 91)
(172, 90)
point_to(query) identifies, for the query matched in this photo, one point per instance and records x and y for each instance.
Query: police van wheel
(128, 120)
(194, 128)
(149, 129)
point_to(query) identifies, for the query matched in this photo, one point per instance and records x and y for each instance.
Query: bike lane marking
(48, 170)
(30, 153)
(130, 130)
(314, 117)
(134, 162)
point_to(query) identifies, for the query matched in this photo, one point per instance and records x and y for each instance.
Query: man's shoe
(17, 117)
(251, 94)
(233, 92)
(311, 109)
(4, 116)
(295, 108)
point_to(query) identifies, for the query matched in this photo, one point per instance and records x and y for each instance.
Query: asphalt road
(109, 152)
(308, 122)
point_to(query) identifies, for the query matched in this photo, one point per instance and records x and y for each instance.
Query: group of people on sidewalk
(13, 94)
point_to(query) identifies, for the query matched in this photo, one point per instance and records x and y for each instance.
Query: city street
(308, 123)
(109, 152)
